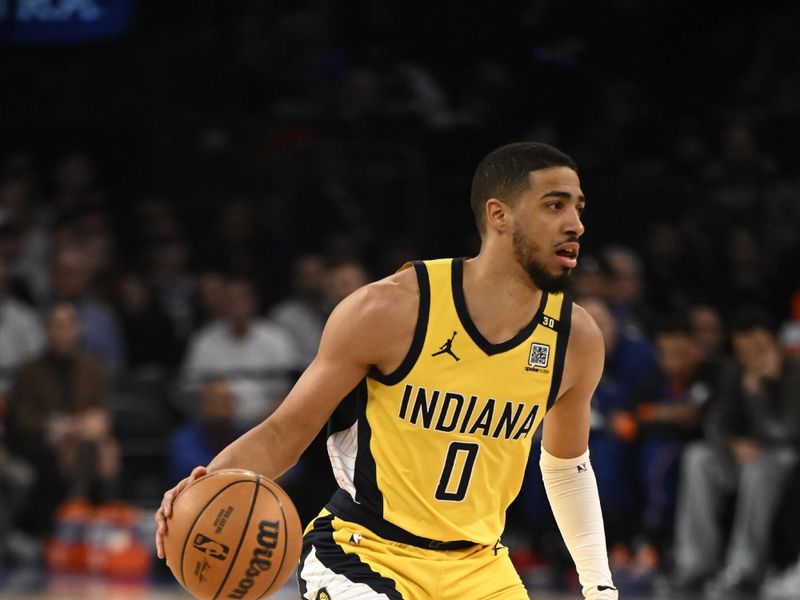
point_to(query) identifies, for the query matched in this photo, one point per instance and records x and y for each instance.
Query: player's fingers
(166, 503)
(160, 531)
(197, 473)
(170, 495)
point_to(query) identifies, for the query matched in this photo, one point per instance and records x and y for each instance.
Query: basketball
(233, 534)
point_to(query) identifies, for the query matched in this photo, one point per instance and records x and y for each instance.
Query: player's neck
(500, 302)
(496, 271)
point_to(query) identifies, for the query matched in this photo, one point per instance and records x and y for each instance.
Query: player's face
(547, 227)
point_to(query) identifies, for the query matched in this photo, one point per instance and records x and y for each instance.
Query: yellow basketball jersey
(438, 448)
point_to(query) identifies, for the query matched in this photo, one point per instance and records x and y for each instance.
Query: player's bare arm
(373, 326)
(565, 430)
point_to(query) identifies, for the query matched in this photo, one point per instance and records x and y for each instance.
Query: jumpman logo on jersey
(447, 348)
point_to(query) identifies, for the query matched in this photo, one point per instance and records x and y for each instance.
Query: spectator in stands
(59, 423)
(255, 355)
(749, 271)
(671, 407)
(21, 333)
(100, 331)
(76, 184)
(210, 298)
(25, 241)
(708, 330)
(149, 335)
(240, 245)
(174, 284)
(99, 242)
(750, 451)
(200, 440)
(624, 288)
(303, 313)
(16, 481)
(589, 280)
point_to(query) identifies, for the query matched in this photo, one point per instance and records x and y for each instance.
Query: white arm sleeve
(572, 491)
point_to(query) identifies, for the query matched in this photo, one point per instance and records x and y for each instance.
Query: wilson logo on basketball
(268, 532)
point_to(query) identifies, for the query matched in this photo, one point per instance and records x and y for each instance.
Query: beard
(524, 249)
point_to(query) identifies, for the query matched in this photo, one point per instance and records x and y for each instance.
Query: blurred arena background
(188, 188)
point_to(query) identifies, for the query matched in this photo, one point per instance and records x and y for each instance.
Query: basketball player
(433, 382)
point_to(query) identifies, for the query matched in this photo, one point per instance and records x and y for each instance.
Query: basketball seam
(241, 539)
(197, 518)
(285, 541)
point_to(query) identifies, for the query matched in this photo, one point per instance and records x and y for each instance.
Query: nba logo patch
(539, 356)
(582, 468)
(212, 548)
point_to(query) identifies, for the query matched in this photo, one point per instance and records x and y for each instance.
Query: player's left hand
(164, 511)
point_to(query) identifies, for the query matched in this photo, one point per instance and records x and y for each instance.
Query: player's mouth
(568, 254)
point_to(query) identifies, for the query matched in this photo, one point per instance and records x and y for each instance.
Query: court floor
(289, 593)
(35, 586)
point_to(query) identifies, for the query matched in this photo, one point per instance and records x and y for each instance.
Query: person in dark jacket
(750, 450)
(59, 423)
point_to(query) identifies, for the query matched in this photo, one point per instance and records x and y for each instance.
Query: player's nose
(573, 225)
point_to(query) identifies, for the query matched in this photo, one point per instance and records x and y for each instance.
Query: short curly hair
(503, 174)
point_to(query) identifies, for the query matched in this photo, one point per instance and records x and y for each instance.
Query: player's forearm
(261, 450)
(572, 490)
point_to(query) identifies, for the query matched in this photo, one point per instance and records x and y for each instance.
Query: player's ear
(497, 215)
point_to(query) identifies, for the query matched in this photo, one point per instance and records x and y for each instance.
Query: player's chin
(559, 271)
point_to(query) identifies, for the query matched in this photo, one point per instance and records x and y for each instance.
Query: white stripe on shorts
(318, 576)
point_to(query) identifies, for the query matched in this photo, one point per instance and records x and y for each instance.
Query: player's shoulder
(585, 351)
(393, 298)
(372, 320)
(585, 334)
(399, 286)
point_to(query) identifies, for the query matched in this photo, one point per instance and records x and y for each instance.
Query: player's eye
(581, 209)
(557, 205)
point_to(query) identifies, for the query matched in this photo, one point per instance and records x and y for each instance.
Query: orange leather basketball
(233, 534)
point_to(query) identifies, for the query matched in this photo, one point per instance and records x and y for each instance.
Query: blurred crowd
(181, 210)
(695, 440)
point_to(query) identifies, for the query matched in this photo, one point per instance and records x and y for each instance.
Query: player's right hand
(164, 511)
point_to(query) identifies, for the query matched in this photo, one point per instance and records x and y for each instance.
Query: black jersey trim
(564, 324)
(457, 283)
(342, 505)
(348, 564)
(352, 409)
(365, 478)
(419, 332)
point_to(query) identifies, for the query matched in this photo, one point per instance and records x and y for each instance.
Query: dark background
(367, 118)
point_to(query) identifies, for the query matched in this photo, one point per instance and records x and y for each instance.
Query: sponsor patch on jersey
(539, 355)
